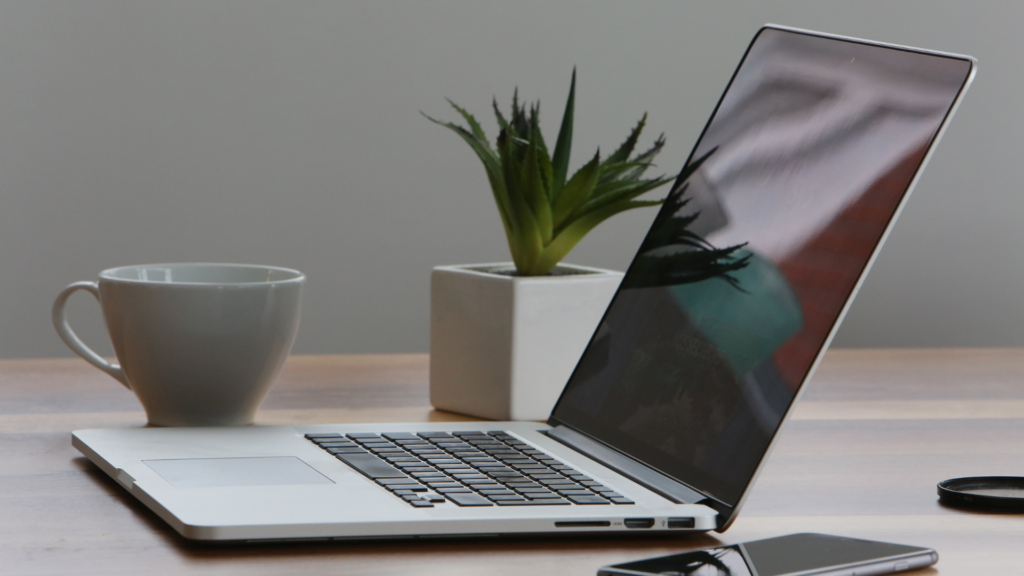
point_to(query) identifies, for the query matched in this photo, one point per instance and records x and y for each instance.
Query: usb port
(638, 522)
(680, 523)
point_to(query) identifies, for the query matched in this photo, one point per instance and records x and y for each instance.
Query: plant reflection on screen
(674, 254)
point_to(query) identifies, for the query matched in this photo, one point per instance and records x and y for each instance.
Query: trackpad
(212, 472)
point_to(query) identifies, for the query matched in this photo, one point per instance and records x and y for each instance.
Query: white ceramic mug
(199, 344)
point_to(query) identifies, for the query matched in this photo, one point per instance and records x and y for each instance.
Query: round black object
(995, 493)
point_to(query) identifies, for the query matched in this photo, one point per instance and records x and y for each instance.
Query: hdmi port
(638, 522)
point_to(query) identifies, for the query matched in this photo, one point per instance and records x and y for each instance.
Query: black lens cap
(993, 493)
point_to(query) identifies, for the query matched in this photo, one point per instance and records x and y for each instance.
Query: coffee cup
(199, 344)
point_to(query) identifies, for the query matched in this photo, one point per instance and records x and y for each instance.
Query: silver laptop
(672, 410)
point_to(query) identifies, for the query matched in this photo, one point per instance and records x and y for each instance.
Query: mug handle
(71, 339)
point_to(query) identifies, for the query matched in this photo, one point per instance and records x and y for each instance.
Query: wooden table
(875, 431)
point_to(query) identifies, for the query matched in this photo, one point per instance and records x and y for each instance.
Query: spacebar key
(371, 466)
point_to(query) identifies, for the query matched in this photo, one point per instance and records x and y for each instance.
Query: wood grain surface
(874, 432)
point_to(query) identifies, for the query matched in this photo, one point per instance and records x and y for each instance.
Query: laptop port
(680, 523)
(638, 522)
(583, 524)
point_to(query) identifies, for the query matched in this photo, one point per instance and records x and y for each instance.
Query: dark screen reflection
(726, 561)
(759, 245)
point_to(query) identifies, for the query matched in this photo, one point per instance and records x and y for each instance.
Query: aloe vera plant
(544, 211)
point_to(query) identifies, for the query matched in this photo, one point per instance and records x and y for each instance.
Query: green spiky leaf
(563, 146)
(626, 148)
(576, 191)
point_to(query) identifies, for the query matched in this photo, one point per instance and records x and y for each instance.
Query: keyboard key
(564, 492)
(530, 469)
(532, 489)
(356, 450)
(421, 504)
(435, 435)
(399, 436)
(497, 492)
(370, 465)
(548, 476)
(337, 443)
(524, 485)
(407, 487)
(410, 497)
(481, 461)
(396, 481)
(544, 496)
(588, 500)
(459, 490)
(378, 445)
(506, 497)
(623, 500)
(485, 445)
(469, 499)
(562, 482)
(320, 435)
(532, 503)
(440, 484)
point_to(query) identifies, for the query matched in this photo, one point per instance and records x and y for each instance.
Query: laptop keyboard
(465, 468)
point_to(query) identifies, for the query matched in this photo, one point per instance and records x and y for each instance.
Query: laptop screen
(757, 249)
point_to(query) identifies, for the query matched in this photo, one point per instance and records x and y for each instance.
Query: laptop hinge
(635, 471)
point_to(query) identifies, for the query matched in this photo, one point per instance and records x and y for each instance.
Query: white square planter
(503, 347)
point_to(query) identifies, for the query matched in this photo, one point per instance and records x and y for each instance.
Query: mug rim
(296, 277)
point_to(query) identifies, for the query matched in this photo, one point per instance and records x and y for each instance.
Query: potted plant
(505, 337)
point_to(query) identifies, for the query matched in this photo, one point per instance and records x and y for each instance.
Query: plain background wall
(289, 133)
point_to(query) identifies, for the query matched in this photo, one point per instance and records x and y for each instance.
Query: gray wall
(289, 133)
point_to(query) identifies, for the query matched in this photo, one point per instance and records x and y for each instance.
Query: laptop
(671, 412)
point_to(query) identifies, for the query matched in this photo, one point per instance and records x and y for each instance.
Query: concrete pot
(502, 346)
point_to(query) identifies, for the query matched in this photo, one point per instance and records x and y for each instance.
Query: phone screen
(793, 554)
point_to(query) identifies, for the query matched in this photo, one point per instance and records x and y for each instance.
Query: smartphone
(793, 555)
